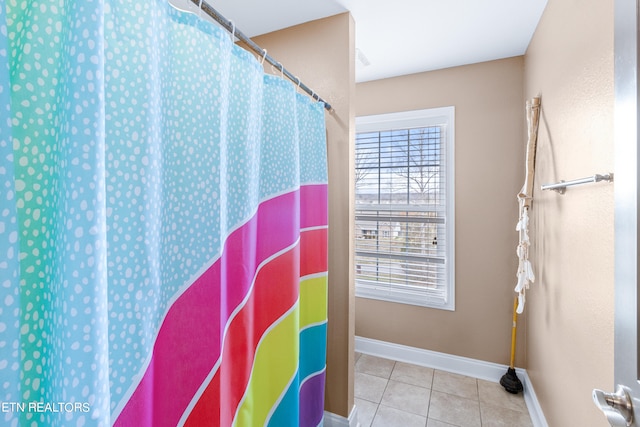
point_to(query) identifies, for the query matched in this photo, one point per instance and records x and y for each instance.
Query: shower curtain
(163, 224)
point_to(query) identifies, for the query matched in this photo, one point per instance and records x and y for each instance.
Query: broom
(510, 380)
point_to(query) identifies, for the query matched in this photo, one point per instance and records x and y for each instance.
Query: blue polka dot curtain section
(163, 224)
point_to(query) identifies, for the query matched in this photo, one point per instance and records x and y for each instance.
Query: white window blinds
(404, 222)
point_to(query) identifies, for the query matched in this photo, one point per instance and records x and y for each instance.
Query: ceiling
(404, 36)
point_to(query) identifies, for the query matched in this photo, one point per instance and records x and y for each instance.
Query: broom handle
(513, 333)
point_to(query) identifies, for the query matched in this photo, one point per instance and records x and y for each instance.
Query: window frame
(442, 116)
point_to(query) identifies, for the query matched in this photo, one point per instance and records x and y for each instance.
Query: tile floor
(397, 394)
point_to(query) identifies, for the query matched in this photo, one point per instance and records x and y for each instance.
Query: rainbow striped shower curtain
(163, 224)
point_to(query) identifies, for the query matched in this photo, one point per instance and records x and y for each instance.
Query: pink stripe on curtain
(179, 363)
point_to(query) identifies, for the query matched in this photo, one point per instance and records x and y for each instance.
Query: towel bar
(561, 186)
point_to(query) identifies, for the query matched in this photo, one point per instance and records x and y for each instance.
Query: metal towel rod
(561, 186)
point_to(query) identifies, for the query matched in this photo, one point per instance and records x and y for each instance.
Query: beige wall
(570, 308)
(321, 53)
(489, 148)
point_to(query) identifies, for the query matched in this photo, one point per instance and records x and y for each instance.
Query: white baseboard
(460, 365)
(530, 398)
(333, 420)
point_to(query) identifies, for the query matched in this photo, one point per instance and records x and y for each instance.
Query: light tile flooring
(397, 394)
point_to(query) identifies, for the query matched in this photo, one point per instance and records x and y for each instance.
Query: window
(404, 207)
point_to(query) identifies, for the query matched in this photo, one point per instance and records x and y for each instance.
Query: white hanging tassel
(529, 271)
(521, 301)
(523, 226)
(525, 269)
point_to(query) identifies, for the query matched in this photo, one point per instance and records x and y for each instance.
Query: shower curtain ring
(200, 9)
(264, 55)
(281, 70)
(233, 31)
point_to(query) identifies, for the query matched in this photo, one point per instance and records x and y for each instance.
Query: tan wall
(489, 147)
(322, 54)
(570, 308)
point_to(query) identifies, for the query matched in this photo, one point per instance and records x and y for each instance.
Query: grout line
(431, 391)
(433, 371)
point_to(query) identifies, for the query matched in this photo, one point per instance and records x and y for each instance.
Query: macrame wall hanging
(525, 270)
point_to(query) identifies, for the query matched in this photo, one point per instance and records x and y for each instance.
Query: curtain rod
(230, 27)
